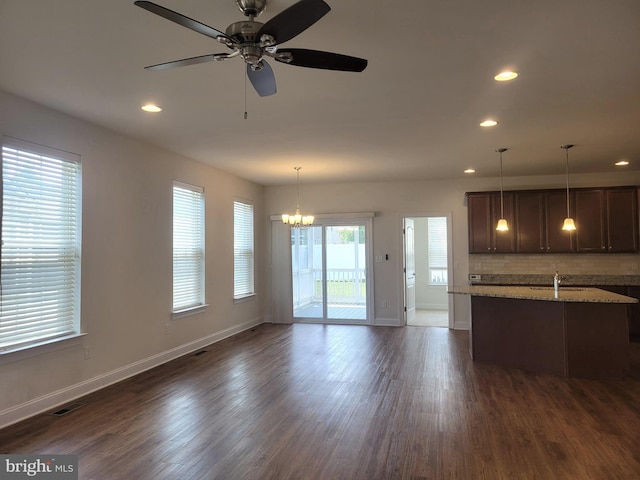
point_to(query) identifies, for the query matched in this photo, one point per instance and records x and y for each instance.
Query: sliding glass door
(329, 273)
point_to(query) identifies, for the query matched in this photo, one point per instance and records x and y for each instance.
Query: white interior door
(409, 271)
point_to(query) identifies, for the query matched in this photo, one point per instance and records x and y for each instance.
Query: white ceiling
(412, 114)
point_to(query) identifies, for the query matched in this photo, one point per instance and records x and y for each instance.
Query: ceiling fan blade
(264, 81)
(182, 20)
(187, 61)
(301, 57)
(294, 20)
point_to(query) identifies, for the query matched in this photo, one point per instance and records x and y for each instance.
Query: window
(243, 270)
(437, 250)
(40, 278)
(188, 247)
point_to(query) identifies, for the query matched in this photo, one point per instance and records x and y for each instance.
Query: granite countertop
(567, 279)
(565, 294)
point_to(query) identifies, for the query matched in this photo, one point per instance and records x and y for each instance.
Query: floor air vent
(67, 409)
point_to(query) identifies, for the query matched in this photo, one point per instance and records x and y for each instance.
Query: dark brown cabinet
(484, 211)
(590, 221)
(634, 314)
(606, 221)
(622, 220)
(539, 217)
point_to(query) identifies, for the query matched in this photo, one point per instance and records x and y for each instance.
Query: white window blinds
(437, 250)
(188, 246)
(243, 269)
(40, 280)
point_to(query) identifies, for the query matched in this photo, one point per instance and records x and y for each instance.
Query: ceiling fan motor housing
(245, 32)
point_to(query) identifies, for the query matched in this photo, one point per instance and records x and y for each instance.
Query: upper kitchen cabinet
(558, 240)
(622, 219)
(590, 221)
(483, 211)
(539, 217)
(606, 220)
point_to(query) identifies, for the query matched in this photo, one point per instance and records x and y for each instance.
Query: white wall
(127, 262)
(391, 201)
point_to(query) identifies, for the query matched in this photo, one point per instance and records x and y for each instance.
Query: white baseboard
(48, 402)
(432, 306)
(386, 322)
(461, 325)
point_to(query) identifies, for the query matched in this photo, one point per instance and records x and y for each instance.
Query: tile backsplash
(573, 263)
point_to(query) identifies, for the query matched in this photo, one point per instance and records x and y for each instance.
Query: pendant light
(297, 220)
(502, 226)
(568, 225)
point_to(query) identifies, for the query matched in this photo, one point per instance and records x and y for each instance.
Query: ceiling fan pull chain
(245, 94)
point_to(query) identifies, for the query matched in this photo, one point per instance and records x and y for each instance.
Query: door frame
(402, 316)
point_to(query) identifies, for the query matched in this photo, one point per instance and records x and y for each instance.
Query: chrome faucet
(556, 282)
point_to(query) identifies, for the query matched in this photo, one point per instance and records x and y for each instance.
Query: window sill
(245, 298)
(187, 312)
(46, 346)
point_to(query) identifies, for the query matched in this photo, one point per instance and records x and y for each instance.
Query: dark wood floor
(346, 402)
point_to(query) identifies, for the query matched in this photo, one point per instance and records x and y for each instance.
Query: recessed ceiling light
(151, 108)
(469, 170)
(622, 163)
(505, 76)
(489, 123)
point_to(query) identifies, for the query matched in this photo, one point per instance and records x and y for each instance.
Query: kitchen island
(578, 332)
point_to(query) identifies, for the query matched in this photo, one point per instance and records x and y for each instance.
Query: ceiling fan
(253, 41)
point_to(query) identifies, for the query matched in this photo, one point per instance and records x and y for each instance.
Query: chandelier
(297, 220)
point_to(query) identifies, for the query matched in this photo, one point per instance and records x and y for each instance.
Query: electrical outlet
(87, 352)
(167, 329)
(384, 304)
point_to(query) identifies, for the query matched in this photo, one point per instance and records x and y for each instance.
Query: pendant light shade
(568, 224)
(502, 226)
(297, 220)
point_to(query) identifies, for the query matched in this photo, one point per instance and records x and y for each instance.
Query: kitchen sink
(566, 289)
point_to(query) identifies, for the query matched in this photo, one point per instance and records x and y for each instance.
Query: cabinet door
(479, 215)
(634, 314)
(590, 221)
(503, 242)
(556, 239)
(622, 220)
(530, 237)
